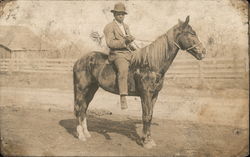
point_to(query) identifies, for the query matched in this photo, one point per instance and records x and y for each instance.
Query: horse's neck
(171, 51)
(157, 56)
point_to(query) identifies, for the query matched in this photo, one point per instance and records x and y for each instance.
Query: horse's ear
(186, 22)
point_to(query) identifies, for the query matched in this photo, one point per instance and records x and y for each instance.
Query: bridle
(190, 48)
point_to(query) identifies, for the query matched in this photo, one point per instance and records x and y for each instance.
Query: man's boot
(123, 101)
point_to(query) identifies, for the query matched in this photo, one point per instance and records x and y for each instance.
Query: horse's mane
(153, 55)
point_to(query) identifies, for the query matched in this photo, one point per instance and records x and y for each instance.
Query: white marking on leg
(80, 133)
(85, 128)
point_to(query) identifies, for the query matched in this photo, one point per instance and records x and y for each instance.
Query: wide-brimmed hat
(119, 7)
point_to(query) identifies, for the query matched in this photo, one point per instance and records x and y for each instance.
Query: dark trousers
(122, 65)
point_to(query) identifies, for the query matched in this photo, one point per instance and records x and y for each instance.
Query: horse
(148, 66)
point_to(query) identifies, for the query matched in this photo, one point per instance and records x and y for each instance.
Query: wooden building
(21, 42)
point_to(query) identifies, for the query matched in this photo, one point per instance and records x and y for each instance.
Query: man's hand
(129, 39)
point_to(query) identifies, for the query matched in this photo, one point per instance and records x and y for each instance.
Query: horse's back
(93, 57)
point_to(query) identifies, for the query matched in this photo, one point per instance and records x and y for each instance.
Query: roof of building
(20, 38)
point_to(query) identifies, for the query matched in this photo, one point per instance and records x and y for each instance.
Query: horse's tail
(74, 86)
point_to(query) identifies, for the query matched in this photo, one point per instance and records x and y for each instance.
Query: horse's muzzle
(203, 54)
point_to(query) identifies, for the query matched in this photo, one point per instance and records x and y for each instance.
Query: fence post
(246, 68)
(10, 64)
(200, 70)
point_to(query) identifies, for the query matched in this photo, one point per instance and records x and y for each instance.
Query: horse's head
(187, 40)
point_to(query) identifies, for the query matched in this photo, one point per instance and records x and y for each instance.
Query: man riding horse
(119, 39)
(153, 61)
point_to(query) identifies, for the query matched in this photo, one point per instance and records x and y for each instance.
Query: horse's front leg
(148, 100)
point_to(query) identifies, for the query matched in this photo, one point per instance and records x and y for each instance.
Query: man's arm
(129, 38)
(111, 41)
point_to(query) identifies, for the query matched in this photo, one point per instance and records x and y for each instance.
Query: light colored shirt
(121, 27)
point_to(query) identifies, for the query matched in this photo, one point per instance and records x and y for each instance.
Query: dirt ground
(36, 119)
(26, 131)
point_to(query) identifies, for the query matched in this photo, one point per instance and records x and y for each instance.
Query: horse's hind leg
(89, 96)
(84, 93)
(84, 97)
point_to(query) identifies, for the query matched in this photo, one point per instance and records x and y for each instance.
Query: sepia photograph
(124, 78)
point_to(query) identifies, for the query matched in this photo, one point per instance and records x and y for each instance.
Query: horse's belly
(108, 80)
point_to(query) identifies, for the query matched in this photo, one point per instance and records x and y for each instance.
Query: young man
(118, 39)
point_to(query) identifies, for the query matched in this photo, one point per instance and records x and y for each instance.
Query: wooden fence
(207, 68)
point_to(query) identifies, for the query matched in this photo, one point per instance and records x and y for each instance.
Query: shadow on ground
(105, 126)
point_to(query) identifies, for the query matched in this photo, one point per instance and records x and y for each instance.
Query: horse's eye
(193, 33)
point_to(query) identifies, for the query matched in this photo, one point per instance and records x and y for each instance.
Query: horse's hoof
(153, 143)
(87, 134)
(147, 145)
(82, 138)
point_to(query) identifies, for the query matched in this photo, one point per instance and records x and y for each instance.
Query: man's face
(119, 16)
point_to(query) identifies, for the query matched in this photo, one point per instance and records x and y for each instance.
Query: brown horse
(146, 75)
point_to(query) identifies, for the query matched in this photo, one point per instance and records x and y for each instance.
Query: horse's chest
(149, 81)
